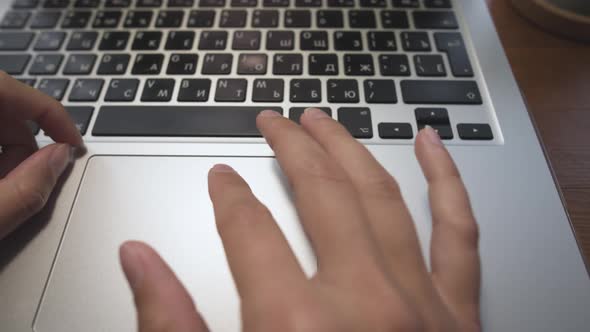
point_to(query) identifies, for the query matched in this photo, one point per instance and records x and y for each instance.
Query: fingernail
(222, 168)
(60, 158)
(132, 264)
(432, 136)
(269, 114)
(315, 113)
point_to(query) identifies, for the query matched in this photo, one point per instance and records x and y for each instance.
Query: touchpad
(163, 201)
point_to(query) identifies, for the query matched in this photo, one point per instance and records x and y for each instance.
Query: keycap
(435, 20)
(80, 116)
(56, 3)
(149, 3)
(169, 19)
(437, 118)
(14, 64)
(361, 19)
(475, 131)
(28, 81)
(182, 64)
(268, 90)
(15, 19)
(395, 19)
(280, 40)
(122, 90)
(86, 90)
(180, 40)
(287, 64)
(25, 4)
(147, 64)
(406, 3)
(340, 3)
(452, 44)
(138, 19)
(82, 41)
(180, 3)
(358, 65)
(201, 19)
(113, 64)
(415, 41)
(380, 92)
(329, 19)
(55, 88)
(429, 65)
(79, 64)
(373, 3)
(381, 41)
(76, 20)
(314, 41)
(323, 64)
(276, 3)
(306, 91)
(87, 3)
(217, 64)
(231, 90)
(265, 18)
(49, 41)
(252, 64)
(357, 120)
(246, 40)
(212, 3)
(187, 121)
(244, 3)
(117, 3)
(297, 19)
(33, 127)
(107, 19)
(114, 41)
(46, 64)
(395, 130)
(295, 113)
(440, 92)
(213, 40)
(394, 65)
(348, 41)
(194, 90)
(157, 90)
(343, 91)
(45, 19)
(437, 3)
(308, 3)
(147, 40)
(233, 18)
(15, 41)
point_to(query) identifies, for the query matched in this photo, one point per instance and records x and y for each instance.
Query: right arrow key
(475, 131)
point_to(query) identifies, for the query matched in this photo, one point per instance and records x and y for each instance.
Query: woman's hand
(27, 176)
(371, 273)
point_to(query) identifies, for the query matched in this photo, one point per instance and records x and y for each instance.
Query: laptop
(161, 90)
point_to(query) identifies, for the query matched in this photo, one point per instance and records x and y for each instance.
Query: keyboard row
(375, 91)
(31, 4)
(230, 18)
(232, 121)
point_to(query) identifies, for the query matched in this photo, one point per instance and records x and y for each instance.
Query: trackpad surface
(163, 201)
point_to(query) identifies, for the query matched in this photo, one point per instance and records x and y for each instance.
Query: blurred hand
(27, 176)
(371, 273)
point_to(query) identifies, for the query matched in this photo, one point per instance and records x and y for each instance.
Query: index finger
(19, 101)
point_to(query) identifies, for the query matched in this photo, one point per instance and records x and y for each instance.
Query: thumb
(162, 303)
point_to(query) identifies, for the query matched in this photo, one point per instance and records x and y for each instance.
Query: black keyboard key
(181, 3)
(437, 118)
(82, 41)
(49, 41)
(80, 116)
(373, 3)
(340, 3)
(395, 19)
(306, 91)
(429, 65)
(15, 41)
(244, 3)
(357, 121)
(46, 64)
(440, 92)
(452, 44)
(45, 20)
(362, 19)
(330, 19)
(308, 3)
(213, 40)
(231, 90)
(25, 4)
(147, 40)
(79, 64)
(87, 3)
(415, 41)
(28, 81)
(475, 131)
(280, 40)
(287, 64)
(380, 92)
(276, 3)
(435, 20)
(179, 121)
(201, 19)
(169, 19)
(107, 19)
(56, 3)
(76, 20)
(149, 3)
(265, 18)
(182, 64)
(323, 64)
(15, 20)
(246, 40)
(395, 130)
(117, 3)
(14, 64)
(113, 64)
(268, 90)
(138, 19)
(157, 90)
(114, 41)
(348, 41)
(394, 65)
(381, 41)
(358, 65)
(295, 113)
(297, 19)
(314, 40)
(252, 64)
(437, 3)
(406, 3)
(147, 64)
(122, 90)
(180, 40)
(86, 90)
(217, 64)
(233, 19)
(55, 88)
(194, 90)
(343, 91)
(212, 3)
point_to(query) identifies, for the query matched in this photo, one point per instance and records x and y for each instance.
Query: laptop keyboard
(206, 68)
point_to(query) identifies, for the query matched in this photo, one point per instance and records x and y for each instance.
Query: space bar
(191, 121)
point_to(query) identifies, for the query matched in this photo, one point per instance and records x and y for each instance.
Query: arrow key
(475, 131)
(395, 131)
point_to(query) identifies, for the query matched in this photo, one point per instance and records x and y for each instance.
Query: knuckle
(382, 186)
(31, 198)
(322, 170)
(244, 213)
